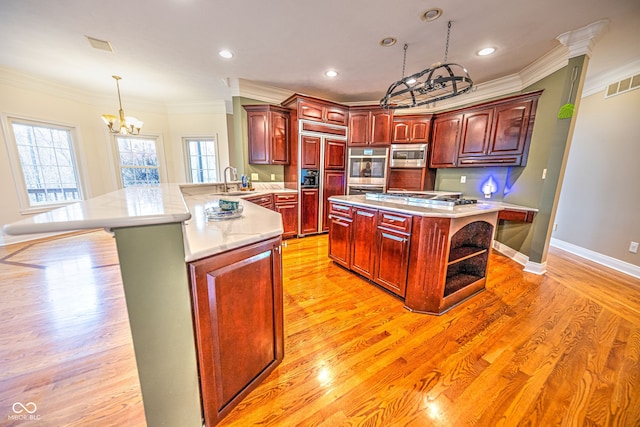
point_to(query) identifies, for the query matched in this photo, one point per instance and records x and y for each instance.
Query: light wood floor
(559, 349)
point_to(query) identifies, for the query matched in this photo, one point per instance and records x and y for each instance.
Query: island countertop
(459, 211)
(162, 204)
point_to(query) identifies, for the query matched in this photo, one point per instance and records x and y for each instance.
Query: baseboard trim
(520, 258)
(607, 261)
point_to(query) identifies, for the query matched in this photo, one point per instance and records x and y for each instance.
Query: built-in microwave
(408, 156)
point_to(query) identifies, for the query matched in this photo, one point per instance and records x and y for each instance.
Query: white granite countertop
(454, 212)
(163, 204)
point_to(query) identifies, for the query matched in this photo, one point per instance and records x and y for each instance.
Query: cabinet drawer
(341, 210)
(265, 201)
(285, 198)
(395, 221)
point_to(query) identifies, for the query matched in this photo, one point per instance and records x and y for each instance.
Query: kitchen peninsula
(204, 298)
(431, 256)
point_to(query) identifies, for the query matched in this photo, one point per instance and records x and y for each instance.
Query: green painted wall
(241, 139)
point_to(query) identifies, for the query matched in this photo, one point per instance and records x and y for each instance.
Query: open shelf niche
(468, 256)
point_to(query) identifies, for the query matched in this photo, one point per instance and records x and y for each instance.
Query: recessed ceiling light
(388, 41)
(226, 54)
(486, 51)
(431, 14)
(331, 73)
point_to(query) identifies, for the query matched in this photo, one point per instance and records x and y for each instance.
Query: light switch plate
(633, 247)
(463, 179)
(254, 177)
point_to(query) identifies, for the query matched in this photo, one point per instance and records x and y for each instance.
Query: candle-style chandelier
(121, 124)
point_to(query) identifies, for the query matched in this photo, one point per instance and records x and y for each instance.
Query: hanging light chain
(404, 60)
(446, 49)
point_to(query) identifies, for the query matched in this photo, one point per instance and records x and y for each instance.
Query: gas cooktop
(421, 199)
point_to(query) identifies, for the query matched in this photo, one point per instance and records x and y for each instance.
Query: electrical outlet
(544, 173)
(254, 177)
(555, 226)
(273, 177)
(463, 179)
(633, 247)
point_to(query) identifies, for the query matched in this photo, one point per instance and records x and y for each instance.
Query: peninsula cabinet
(308, 108)
(340, 233)
(238, 315)
(268, 133)
(370, 126)
(411, 129)
(496, 133)
(363, 254)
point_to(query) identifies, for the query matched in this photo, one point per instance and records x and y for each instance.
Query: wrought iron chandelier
(440, 81)
(121, 124)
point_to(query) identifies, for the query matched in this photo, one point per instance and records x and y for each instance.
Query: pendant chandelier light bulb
(121, 124)
(441, 80)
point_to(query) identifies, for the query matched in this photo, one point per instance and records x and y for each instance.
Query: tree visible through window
(203, 160)
(138, 161)
(47, 161)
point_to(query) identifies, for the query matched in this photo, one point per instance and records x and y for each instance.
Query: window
(202, 159)
(138, 158)
(46, 156)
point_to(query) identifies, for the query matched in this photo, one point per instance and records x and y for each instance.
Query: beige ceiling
(167, 50)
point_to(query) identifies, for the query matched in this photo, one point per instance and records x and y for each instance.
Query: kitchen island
(204, 298)
(432, 257)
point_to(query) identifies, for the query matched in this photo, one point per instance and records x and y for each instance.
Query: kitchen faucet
(234, 171)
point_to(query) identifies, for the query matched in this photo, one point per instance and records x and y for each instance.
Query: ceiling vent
(100, 44)
(624, 85)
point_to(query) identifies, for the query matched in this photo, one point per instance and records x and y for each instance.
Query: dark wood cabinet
(363, 248)
(309, 152)
(411, 179)
(309, 210)
(496, 133)
(286, 204)
(318, 110)
(264, 200)
(446, 137)
(391, 260)
(335, 154)
(268, 133)
(340, 230)
(370, 126)
(333, 185)
(411, 129)
(238, 316)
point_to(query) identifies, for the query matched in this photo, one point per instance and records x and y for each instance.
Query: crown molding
(582, 40)
(249, 89)
(599, 83)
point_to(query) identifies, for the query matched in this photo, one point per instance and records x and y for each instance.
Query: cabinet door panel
(340, 240)
(258, 128)
(310, 152)
(309, 210)
(476, 131)
(446, 134)
(401, 130)
(279, 138)
(391, 261)
(381, 127)
(510, 128)
(289, 214)
(364, 228)
(334, 185)
(406, 179)
(420, 131)
(359, 127)
(309, 110)
(336, 116)
(335, 153)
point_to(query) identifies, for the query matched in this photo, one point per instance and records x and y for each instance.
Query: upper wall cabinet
(318, 110)
(411, 129)
(268, 131)
(496, 133)
(370, 126)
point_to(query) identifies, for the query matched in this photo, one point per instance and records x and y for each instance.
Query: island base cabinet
(340, 241)
(238, 315)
